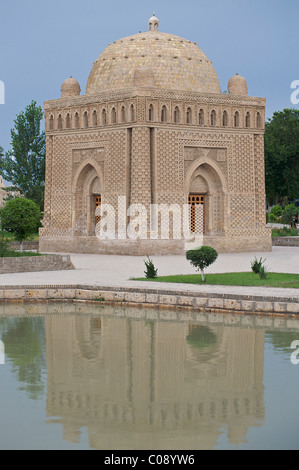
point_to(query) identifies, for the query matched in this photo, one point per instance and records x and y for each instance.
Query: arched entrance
(87, 196)
(206, 191)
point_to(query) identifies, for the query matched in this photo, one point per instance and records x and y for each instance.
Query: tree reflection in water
(25, 348)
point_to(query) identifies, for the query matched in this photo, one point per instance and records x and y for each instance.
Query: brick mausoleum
(154, 128)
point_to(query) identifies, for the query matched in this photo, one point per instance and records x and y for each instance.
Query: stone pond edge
(155, 298)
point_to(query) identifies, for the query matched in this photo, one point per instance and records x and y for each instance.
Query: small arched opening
(237, 119)
(113, 116)
(94, 118)
(248, 120)
(189, 116)
(201, 118)
(164, 114)
(206, 192)
(87, 196)
(225, 119)
(213, 118)
(103, 117)
(176, 115)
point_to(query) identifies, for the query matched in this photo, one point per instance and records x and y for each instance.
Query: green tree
(276, 211)
(289, 213)
(21, 217)
(24, 165)
(282, 156)
(201, 258)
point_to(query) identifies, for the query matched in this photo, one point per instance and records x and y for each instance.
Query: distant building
(3, 193)
(154, 128)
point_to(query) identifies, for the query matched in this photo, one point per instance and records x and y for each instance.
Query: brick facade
(152, 139)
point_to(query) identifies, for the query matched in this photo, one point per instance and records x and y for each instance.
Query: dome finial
(153, 23)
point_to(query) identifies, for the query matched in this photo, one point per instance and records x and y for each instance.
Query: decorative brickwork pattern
(259, 172)
(241, 165)
(115, 162)
(141, 111)
(141, 167)
(154, 128)
(48, 181)
(169, 165)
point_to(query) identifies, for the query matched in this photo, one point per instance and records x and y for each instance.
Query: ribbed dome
(155, 60)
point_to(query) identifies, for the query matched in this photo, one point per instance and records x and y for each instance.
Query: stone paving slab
(113, 273)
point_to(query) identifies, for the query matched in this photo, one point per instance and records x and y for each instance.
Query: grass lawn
(232, 279)
(17, 254)
(285, 232)
(10, 236)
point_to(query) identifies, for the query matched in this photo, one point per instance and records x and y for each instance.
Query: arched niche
(88, 186)
(204, 178)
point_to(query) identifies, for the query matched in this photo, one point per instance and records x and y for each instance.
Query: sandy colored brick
(154, 128)
(264, 306)
(232, 304)
(215, 303)
(293, 307)
(248, 305)
(134, 297)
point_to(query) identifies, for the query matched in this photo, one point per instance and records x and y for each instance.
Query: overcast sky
(42, 42)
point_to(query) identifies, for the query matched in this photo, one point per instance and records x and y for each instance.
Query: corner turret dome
(70, 87)
(237, 85)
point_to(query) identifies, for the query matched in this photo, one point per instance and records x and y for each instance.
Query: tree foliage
(276, 211)
(150, 272)
(4, 245)
(24, 165)
(282, 156)
(21, 217)
(201, 258)
(288, 214)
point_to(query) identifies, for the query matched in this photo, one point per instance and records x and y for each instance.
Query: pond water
(83, 376)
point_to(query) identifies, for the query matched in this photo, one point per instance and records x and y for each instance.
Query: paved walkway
(116, 271)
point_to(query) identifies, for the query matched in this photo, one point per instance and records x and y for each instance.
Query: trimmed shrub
(201, 258)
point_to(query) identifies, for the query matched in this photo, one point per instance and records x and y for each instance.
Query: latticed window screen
(98, 200)
(197, 213)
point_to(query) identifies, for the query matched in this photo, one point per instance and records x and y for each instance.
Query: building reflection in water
(137, 384)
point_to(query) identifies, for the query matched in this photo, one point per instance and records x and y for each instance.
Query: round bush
(20, 216)
(202, 257)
